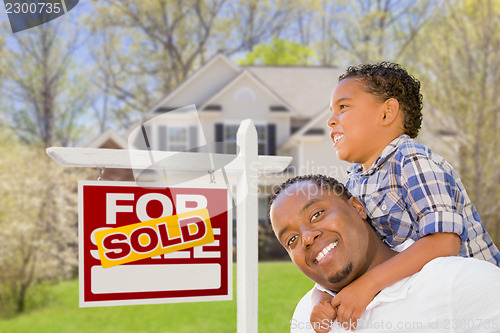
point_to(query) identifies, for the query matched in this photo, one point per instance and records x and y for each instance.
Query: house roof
(218, 58)
(108, 139)
(306, 89)
(310, 128)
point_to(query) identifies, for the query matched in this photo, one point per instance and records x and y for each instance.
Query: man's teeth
(337, 137)
(327, 249)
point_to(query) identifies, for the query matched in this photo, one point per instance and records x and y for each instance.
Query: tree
(44, 105)
(460, 69)
(172, 35)
(247, 23)
(279, 52)
(361, 31)
(37, 223)
(176, 38)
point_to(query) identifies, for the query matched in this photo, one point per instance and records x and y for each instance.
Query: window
(244, 95)
(173, 138)
(225, 138)
(230, 138)
(177, 138)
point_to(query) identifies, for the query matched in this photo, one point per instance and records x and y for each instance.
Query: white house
(288, 104)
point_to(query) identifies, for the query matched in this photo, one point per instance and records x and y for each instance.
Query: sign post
(247, 166)
(247, 232)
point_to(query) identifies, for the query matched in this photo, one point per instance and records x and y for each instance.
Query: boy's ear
(391, 111)
(358, 206)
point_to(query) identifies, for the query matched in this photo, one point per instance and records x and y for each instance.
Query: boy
(408, 191)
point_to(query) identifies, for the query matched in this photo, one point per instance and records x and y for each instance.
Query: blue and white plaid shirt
(411, 192)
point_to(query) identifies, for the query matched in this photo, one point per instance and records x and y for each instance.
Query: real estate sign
(152, 245)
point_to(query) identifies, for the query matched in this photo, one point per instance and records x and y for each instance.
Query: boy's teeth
(337, 137)
(325, 251)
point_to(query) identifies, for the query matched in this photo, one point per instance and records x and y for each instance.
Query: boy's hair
(322, 181)
(389, 80)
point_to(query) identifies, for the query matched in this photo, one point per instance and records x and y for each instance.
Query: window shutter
(271, 139)
(193, 139)
(162, 137)
(140, 140)
(219, 138)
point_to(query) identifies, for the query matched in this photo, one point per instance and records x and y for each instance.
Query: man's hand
(352, 301)
(323, 313)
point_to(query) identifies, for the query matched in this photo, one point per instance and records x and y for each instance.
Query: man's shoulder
(459, 269)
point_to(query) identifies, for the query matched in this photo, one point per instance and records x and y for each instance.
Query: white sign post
(247, 165)
(247, 232)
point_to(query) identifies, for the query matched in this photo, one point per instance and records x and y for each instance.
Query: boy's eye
(316, 215)
(291, 240)
(342, 106)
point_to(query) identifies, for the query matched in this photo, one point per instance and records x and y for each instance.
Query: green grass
(281, 285)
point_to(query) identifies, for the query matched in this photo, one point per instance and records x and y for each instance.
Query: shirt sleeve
(433, 196)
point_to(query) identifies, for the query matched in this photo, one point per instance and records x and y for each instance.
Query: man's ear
(358, 206)
(391, 111)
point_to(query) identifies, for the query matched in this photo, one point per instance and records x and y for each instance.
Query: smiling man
(324, 230)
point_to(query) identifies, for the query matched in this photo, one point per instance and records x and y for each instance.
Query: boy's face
(324, 235)
(354, 120)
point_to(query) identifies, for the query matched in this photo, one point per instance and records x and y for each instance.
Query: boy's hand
(352, 301)
(322, 316)
(322, 312)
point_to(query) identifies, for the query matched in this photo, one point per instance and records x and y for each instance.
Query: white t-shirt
(449, 294)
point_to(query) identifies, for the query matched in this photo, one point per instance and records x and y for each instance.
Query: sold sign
(153, 244)
(154, 237)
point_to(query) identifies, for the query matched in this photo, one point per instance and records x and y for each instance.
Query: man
(324, 230)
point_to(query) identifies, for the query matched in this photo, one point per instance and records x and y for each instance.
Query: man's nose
(333, 120)
(310, 236)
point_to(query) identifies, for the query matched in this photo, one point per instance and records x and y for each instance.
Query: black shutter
(271, 139)
(162, 136)
(219, 138)
(193, 139)
(140, 139)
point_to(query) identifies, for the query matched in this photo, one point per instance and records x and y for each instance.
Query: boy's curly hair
(387, 80)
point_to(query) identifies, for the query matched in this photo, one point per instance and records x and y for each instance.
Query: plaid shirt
(410, 192)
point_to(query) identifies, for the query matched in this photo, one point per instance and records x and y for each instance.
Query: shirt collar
(357, 169)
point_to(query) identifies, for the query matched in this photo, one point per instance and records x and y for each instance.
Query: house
(288, 104)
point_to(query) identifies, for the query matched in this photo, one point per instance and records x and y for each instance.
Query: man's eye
(316, 215)
(291, 240)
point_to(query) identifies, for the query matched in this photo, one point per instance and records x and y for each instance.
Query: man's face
(325, 236)
(355, 115)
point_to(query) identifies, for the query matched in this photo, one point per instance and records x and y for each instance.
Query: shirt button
(384, 207)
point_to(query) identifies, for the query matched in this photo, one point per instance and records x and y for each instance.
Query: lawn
(280, 287)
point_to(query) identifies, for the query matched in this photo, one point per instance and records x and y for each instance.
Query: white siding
(319, 157)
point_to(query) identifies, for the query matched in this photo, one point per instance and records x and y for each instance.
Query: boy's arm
(353, 299)
(322, 311)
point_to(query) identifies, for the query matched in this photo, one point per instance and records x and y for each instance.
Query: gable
(306, 89)
(246, 96)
